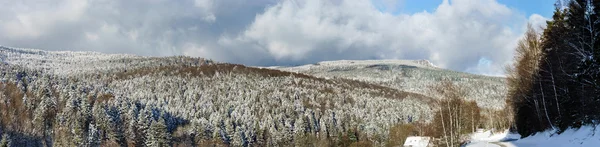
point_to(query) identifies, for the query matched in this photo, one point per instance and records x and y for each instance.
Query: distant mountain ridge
(416, 63)
(409, 75)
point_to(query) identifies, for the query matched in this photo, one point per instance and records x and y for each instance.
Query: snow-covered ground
(489, 139)
(586, 136)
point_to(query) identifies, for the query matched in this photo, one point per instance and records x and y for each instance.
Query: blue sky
(541, 7)
(527, 7)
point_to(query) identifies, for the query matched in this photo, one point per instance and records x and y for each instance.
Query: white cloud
(31, 21)
(91, 36)
(144, 27)
(207, 6)
(204, 4)
(538, 22)
(456, 35)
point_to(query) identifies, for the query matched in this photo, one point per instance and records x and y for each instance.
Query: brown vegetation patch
(104, 98)
(211, 70)
(13, 112)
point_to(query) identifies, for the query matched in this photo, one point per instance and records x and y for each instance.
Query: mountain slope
(415, 76)
(87, 98)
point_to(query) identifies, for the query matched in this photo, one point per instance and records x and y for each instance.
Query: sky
(475, 36)
(526, 7)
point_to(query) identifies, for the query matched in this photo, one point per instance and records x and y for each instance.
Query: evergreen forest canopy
(93, 99)
(555, 80)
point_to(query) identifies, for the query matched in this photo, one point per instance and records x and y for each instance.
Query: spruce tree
(556, 70)
(5, 142)
(158, 135)
(584, 25)
(300, 132)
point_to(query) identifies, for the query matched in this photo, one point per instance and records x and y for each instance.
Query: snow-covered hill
(409, 75)
(75, 63)
(93, 98)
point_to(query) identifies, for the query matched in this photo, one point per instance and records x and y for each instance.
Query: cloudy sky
(476, 36)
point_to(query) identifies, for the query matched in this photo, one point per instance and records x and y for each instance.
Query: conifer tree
(300, 132)
(5, 141)
(158, 135)
(93, 135)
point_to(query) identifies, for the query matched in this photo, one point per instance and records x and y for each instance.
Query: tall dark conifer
(584, 27)
(566, 86)
(555, 70)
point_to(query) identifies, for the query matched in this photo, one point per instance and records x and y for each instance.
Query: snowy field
(584, 137)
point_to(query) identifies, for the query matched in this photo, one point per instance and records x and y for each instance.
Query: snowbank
(586, 136)
(489, 139)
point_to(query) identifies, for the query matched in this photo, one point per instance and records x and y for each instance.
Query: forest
(554, 83)
(93, 99)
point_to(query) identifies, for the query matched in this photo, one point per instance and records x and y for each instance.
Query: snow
(582, 137)
(483, 144)
(417, 141)
(360, 63)
(62, 62)
(488, 136)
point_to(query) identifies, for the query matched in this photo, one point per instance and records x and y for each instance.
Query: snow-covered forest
(417, 76)
(91, 99)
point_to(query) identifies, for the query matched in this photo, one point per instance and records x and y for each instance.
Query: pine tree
(584, 23)
(216, 134)
(115, 122)
(44, 117)
(132, 128)
(158, 135)
(300, 132)
(5, 142)
(78, 132)
(238, 138)
(229, 131)
(566, 88)
(144, 120)
(93, 135)
(556, 69)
